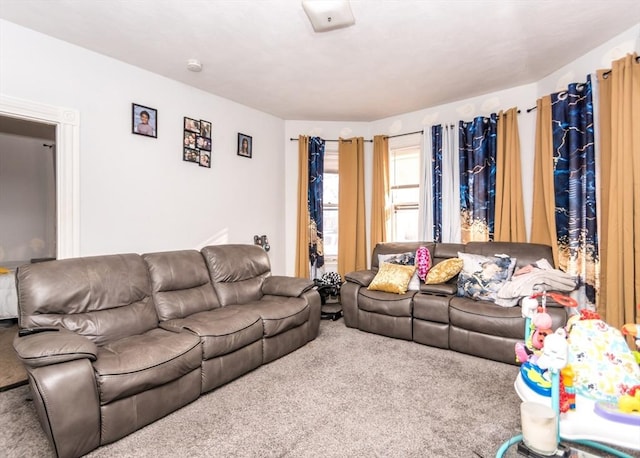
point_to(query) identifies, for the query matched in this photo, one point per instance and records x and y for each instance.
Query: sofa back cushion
(525, 253)
(387, 248)
(445, 251)
(237, 272)
(103, 298)
(180, 284)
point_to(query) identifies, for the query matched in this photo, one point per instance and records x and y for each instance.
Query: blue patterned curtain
(477, 155)
(436, 180)
(575, 186)
(316, 172)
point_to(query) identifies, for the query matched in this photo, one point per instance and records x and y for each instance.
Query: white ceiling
(401, 55)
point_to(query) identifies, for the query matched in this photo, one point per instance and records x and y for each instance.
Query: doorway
(66, 122)
(27, 191)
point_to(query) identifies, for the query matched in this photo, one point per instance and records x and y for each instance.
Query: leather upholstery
(136, 329)
(104, 298)
(138, 363)
(180, 284)
(435, 315)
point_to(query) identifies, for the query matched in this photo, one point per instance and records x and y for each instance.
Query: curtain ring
(563, 95)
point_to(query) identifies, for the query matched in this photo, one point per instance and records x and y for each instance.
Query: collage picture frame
(197, 142)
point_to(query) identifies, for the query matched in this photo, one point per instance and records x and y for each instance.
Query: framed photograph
(191, 155)
(144, 121)
(192, 125)
(203, 143)
(205, 129)
(205, 159)
(244, 145)
(190, 139)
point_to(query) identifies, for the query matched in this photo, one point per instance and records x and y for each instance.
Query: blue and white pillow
(482, 277)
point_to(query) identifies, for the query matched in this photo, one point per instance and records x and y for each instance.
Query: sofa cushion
(392, 304)
(486, 317)
(392, 278)
(138, 363)
(180, 283)
(237, 272)
(278, 313)
(404, 259)
(104, 298)
(222, 330)
(444, 271)
(482, 276)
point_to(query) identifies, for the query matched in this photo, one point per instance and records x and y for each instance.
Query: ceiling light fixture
(194, 65)
(328, 14)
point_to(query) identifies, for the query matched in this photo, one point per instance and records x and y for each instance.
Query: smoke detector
(194, 65)
(328, 15)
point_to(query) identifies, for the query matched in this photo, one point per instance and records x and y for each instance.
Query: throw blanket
(540, 276)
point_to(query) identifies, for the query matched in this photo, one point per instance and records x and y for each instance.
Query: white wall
(136, 193)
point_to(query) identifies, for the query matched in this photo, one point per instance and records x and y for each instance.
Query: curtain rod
(608, 72)
(388, 136)
(604, 75)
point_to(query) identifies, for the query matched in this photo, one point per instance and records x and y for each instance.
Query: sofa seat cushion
(431, 307)
(138, 363)
(222, 331)
(486, 317)
(279, 314)
(385, 303)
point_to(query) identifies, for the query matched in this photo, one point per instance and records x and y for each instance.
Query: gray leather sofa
(435, 315)
(113, 343)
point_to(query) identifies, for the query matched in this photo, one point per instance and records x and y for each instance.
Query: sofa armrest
(281, 285)
(46, 348)
(450, 289)
(361, 277)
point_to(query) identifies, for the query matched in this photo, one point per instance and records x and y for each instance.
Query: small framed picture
(190, 139)
(192, 125)
(205, 159)
(191, 155)
(244, 145)
(144, 121)
(205, 129)
(203, 143)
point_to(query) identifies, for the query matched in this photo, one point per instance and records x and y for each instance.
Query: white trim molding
(67, 122)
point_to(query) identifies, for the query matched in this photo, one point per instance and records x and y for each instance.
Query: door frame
(67, 124)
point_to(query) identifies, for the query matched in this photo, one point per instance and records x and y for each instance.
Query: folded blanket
(540, 277)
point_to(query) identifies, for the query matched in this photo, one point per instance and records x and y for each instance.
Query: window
(330, 208)
(404, 184)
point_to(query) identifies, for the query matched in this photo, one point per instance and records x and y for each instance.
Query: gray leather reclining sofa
(435, 315)
(113, 343)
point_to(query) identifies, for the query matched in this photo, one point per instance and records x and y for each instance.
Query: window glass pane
(406, 225)
(404, 171)
(405, 195)
(330, 205)
(404, 167)
(330, 231)
(330, 189)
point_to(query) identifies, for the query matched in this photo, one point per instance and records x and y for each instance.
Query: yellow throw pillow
(444, 271)
(392, 278)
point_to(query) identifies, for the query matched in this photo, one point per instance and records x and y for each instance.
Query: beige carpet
(346, 394)
(12, 373)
